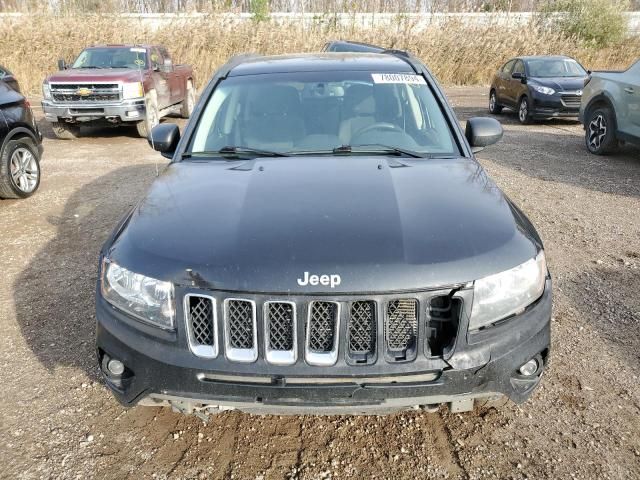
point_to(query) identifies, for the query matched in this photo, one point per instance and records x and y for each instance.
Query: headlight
(501, 295)
(543, 90)
(132, 90)
(145, 298)
(46, 91)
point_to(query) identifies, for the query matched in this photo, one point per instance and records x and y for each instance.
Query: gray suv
(610, 109)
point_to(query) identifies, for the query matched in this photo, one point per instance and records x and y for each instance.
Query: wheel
(189, 102)
(524, 114)
(600, 136)
(19, 169)
(152, 116)
(65, 131)
(494, 107)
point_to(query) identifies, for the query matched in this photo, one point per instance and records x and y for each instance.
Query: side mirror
(62, 65)
(482, 132)
(167, 65)
(164, 138)
(519, 76)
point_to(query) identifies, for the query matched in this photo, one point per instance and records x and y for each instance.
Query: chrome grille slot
(202, 329)
(401, 328)
(280, 332)
(240, 330)
(362, 331)
(322, 333)
(571, 100)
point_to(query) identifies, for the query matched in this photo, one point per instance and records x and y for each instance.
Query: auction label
(405, 78)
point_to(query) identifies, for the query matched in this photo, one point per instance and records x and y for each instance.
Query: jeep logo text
(330, 280)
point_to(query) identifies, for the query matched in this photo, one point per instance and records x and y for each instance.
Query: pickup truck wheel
(189, 101)
(600, 136)
(152, 117)
(19, 169)
(494, 107)
(65, 131)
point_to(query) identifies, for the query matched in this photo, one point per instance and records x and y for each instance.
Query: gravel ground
(57, 420)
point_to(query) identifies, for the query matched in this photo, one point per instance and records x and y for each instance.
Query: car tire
(524, 111)
(65, 131)
(19, 168)
(494, 107)
(152, 116)
(189, 102)
(600, 136)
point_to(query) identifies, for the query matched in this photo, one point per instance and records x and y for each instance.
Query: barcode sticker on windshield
(137, 50)
(406, 78)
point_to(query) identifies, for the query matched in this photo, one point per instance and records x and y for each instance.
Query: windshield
(319, 112)
(125, 57)
(555, 67)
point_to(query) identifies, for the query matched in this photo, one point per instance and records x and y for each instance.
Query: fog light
(529, 368)
(115, 367)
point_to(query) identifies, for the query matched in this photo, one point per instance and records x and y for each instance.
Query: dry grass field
(457, 54)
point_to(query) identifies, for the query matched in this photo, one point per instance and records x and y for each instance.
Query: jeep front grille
(280, 332)
(322, 333)
(401, 328)
(362, 331)
(240, 330)
(201, 325)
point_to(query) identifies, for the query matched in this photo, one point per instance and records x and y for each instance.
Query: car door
(176, 87)
(515, 86)
(160, 78)
(502, 79)
(630, 101)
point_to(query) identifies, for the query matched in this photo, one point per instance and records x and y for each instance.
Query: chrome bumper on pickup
(125, 111)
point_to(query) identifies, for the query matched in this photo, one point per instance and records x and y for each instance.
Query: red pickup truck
(117, 85)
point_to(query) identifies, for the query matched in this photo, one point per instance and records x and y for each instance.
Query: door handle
(629, 90)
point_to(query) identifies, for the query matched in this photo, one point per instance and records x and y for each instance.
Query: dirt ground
(57, 419)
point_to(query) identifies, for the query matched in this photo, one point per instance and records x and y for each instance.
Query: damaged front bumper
(483, 364)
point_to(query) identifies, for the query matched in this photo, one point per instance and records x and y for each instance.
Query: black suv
(20, 145)
(538, 87)
(322, 241)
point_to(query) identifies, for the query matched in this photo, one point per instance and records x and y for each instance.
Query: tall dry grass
(457, 54)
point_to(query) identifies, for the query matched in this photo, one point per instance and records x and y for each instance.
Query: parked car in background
(323, 241)
(7, 77)
(610, 110)
(117, 85)
(538, 87)
(20, 145)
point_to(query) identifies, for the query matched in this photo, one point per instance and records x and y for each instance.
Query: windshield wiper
(235, 151)
(379, 148)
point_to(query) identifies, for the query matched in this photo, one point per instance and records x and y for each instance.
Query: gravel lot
(57, 420)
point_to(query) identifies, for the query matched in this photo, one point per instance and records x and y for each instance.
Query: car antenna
(150, 137)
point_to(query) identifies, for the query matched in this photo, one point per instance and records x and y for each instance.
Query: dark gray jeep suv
(323, 241)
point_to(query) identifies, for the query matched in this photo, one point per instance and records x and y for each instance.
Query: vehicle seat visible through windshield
(274, 118)
(358, 111)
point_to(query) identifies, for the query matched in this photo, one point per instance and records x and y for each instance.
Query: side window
(3, 73)
(519, 68)
(508, 66)
(156, 59)
(164, 53)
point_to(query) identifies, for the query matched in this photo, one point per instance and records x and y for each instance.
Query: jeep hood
(95, 75)
(382, 224)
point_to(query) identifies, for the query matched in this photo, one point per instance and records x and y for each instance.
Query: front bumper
(125, 111)
(553, 106)
(160, 369)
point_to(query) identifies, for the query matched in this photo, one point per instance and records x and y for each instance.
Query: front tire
(152, 117)
(600, 136)
(524, 111)
(19, 169)
(65, 131)
(189, 102)
(494, 107)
